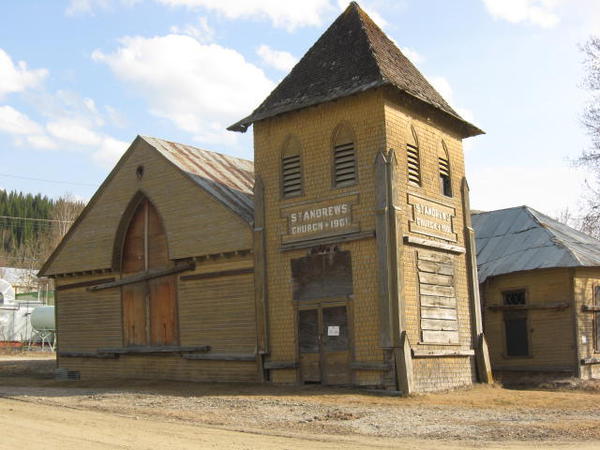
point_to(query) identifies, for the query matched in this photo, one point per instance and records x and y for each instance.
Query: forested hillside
(32, 225)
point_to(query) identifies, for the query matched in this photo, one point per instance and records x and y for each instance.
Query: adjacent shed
(540, 290)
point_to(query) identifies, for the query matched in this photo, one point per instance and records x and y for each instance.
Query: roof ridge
(144, 137)
(362, 17)
(554, 238)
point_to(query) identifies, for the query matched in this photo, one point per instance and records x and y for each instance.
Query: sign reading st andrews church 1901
(431, 218)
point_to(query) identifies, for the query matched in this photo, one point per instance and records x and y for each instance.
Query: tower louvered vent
(344, 164)
(414, 169)
(292, 176)
(445, 183)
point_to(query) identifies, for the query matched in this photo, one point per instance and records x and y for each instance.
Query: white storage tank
(42, 318)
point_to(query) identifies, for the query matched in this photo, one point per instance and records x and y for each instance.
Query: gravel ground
(481, 415)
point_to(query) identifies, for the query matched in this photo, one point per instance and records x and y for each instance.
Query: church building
(343, 255)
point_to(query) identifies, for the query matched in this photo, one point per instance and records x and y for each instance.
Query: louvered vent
(344, 164)
(292, 176)
(414, 171)
(445, 177)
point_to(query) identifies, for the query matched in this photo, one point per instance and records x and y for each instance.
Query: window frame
(525, 312)
(339, 129)
(291, 147)
(414, 144)
(445, 180)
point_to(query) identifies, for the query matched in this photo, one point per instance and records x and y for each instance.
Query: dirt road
(37, 411)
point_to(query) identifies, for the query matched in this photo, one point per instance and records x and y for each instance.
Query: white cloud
(81, 7)
(17, 77)
(200, 88)
(203, 32)
(549, 189)
(414, 56)
(73, 132)
(282, 14)
(109, 151)
(15, 122)
(42, 142)
(542, 13)
(278, 59)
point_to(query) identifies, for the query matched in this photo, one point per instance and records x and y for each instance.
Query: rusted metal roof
(230, 180)
(521, 238)
(352, 56)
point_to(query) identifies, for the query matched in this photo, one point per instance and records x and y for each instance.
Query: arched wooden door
(149, 307)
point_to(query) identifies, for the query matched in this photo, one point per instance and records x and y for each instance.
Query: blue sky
(79, 79)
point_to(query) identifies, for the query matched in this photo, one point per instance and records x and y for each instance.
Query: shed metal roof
(521, 238)
(230, 180)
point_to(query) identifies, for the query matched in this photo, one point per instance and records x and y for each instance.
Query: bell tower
(364, 255)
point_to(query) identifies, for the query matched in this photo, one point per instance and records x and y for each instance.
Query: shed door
(149, 307)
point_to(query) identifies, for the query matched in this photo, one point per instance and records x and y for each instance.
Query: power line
(33, 219)
(45, 180)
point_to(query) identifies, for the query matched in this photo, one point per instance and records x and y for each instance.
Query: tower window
(344, 164)
(414, 168)
(344, 169)
(445, 182)
(291, 169)
(292, 176)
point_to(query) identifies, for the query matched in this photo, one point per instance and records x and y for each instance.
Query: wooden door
(134, 314)
(309, 342)
(335, 348)
(149, 307)
(163, 311)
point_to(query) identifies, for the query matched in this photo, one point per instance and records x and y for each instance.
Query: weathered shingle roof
(352, 56)
(230, 180)
(521, 238)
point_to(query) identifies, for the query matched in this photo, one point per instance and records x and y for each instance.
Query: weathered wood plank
(161, 349)
(435, 267)
(417, 353)
(144, 276)
(81, 284)
(357, 365)
(440, 337)
(218, 274)
(440, 291)
(280, 365)
(435, 279)
(221, 356)
(436, 300)
(424, 255)
(559, 306)
(590, 308)
(438, 313)
(86, 355)
(439, 325)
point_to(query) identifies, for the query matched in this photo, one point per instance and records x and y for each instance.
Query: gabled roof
(521, 238)
(352, 56)
(230, 180)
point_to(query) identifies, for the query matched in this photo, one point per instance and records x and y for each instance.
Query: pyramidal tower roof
(352, 56)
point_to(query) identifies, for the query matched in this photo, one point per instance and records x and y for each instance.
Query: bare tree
(590, 158)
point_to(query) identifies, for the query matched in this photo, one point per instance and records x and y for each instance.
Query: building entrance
(324, 342)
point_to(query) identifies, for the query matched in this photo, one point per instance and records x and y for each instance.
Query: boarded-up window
(149, 307)
(439, 319)
(444, 163)
(291, 168)
(597, 319)
(515, 324)
(439, 324)
(344, 157)
(322, 276)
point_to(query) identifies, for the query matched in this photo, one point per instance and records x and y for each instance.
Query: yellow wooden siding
(218, 312)
(196, 223)
(586, 279)
(551, 334)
